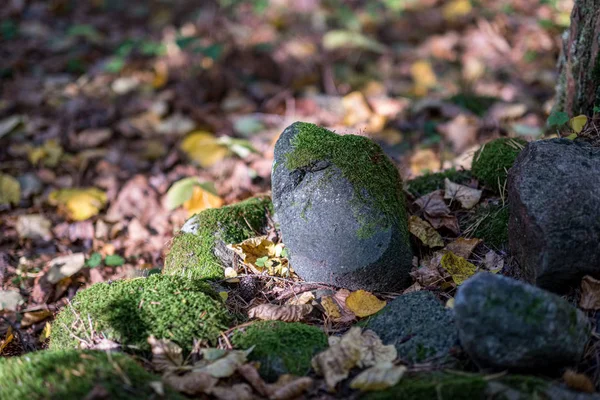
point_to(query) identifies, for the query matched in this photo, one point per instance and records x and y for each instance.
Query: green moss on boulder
(492, 161)
(433, 181)
(200, 249)
(129, 311)
(281, 347)
(72, 375)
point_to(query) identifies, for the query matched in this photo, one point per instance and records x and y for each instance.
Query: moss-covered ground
(433, 181)
(363, 163)
(493, 160)
(129, 311)
(193, 254)
(72, 375)
(488, 222)
(281, 347)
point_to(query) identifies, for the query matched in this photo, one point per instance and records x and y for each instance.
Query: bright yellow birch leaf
(202, 199)
(46, 332)
(459, 268)
(331, 308)
(456, 9)
(10, 190)
(79, 204)
(423, 77)
(204, 148)
(577, 123)
(363, 303)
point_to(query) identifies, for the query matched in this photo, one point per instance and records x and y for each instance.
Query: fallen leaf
(425, 232)
(456, 9)
(10, 300)
(590, 293)
(433, 204)
(225, 366)
(461, 132)
(363, 303)
(338, 39)
(378, 377)
(64, 267)
(579, 382)
(176, 124)
(373, 351)
(49, 154)
(578, 123)
(33, 317)
(285, 313)
(332, 310)
(7, 339)
(8, 124)
(450, 303)
(10, 190)
(202, 199)
(79, 204)
(304, 298)
(34, 226)
(238, 391)
(292, 390)
(493, 262)
(459, 268)
(46, 332)
(466, 196)
(90, 138)
(166, 355)
(193, 383)
(423, 77)
(204, 148)
(251, 375)
(262, 255)
(424, 160)
(182, 191)
(463, 247)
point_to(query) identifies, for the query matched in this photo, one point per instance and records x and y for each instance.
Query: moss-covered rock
(459, 387)
(281, 347)
(199, 251)
(433, 181)
(489, 223)
(72, 375)
(493, 160)
(129, 311)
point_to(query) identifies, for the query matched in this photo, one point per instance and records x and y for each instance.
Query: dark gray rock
(504, 323)
(554, 224)
(418, 326)
(341, 209)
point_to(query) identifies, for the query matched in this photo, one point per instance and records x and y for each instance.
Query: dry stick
(301, 288)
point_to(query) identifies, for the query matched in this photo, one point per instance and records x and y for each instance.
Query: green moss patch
(489, 223)
(428, 183)
(129, 311)
(193, 252)
(72, 375)
(281, 347)
(363, 163)
(492, 162)
(458, 387)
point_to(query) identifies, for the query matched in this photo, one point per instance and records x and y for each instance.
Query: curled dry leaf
(165, 354)
(363, 303)
(292, 389)
(378, 377)
(251, 375)
(590, 293)
(225, 366)
(374, 352)
(425, 232)
(285, 313)
(433, 204)
(239, 391)
(466, 196)
(193, 383)
(33, 317)
(579, 382)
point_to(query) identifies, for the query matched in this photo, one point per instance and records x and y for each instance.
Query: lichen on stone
(281, 347)
(362, 162)
(129, 311)
(72, 375)
(430, 182)
(493, 160)
(193, 253)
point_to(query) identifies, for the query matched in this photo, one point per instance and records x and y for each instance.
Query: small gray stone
(341, 209)
(504, 323)
(418, 325)
(554, 224)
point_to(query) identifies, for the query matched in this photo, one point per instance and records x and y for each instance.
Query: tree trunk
(578, 88)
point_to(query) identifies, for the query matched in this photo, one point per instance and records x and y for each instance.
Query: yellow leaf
(577, 123)
(201, 200)
(49, 153)
(260, 254)
(224, 295)
(46, 332)
(363, 303)
(79, 204)
(9, 338)
(572, 136)
(459, 268)
(425, 232)
(204, 148)
(423, 77)
(331, 308)
(161, 75)
(456, 9)
(10, 190)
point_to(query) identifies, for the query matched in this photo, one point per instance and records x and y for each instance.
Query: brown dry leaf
(292, 390)
(238, 391)
(433, 204)
(374, 352)
(461, 132)
(466, 196)
(425, 232)
(251, 375)
(193, 383)
(225, 366)
(579, 382)
(363, 303)
(33, 317)
(93, 137)
(340, 298)
(332, 310)
(285, 313)
(415, 287)
(378, 377)
(590, 293)
(304, 298)
(463, 247)
(201, 200)
(165, 354)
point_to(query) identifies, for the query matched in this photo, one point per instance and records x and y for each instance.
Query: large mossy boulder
(129, 311)
(419, 326)
(200, 250)
(493, 160)
(76, 375)
(341, 208)
(507, 324)
(554, 200)
(281, 347)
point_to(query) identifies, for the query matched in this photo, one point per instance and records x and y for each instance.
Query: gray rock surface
(419, 326)
(504, 323)
(554, 224)
(341, 210)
